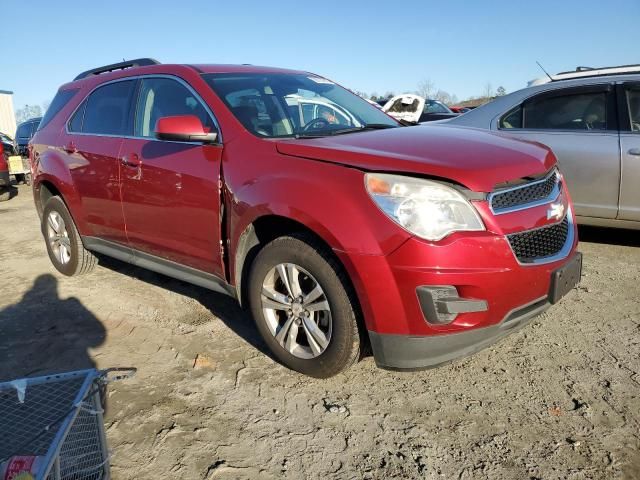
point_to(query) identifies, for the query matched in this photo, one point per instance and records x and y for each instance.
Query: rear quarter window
(58, 103)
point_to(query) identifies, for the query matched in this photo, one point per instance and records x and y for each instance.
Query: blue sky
(368, 46)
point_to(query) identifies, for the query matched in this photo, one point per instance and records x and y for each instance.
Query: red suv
(335, 225)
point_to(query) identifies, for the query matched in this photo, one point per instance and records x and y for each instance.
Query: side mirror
(184, 128)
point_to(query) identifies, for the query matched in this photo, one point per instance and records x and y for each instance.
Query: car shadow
(42, 333)
(221, 306)
(609, 236)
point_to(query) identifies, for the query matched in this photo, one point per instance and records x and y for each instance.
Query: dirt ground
(560, 399)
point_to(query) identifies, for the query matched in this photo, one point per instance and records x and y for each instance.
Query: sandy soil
(560, 399)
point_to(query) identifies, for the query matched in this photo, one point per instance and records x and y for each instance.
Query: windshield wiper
(368, 126)
(342, 131)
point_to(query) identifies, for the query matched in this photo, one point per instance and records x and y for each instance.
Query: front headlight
(428, 209)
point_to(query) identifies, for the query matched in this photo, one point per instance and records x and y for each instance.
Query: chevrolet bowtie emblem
(556, 210)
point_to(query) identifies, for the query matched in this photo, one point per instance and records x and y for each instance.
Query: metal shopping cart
(51, 427)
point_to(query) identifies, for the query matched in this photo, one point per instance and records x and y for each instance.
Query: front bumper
(495, 295)
(405, 352)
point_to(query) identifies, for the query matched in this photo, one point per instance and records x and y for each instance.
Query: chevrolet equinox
(339, 228)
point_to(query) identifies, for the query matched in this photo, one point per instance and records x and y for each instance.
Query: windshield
(277, 105)
(433, 106)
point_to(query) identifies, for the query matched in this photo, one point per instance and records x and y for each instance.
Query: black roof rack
(138, 62)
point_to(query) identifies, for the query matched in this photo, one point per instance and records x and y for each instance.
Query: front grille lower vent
(541, 243)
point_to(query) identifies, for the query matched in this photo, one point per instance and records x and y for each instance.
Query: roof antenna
(546, 73)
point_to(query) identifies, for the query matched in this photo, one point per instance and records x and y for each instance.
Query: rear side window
(107, 109)
(59, 101)
(577, 111)
(75, 124)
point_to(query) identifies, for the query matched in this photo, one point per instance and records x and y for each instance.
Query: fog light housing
(441, 304)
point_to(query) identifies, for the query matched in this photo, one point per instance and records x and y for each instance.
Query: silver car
(591, 120)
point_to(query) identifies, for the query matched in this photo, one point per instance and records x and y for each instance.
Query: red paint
(163, 198)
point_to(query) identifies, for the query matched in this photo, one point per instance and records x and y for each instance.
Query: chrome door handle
(634, 151)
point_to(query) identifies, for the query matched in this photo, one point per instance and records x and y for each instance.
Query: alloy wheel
(58, 237)
(296, 310)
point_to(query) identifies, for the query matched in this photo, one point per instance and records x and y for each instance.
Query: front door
(170, 190)
(630, 149)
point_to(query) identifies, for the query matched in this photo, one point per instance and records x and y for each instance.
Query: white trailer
(7, 115)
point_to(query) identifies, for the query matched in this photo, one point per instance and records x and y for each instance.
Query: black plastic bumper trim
(407, 352)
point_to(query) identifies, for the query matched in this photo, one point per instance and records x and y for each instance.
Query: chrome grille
(526, 195)
(540, 243)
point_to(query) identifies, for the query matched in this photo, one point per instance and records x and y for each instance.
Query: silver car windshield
(280, 105)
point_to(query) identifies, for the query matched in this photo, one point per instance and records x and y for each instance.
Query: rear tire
(64, 245)
(324, 335)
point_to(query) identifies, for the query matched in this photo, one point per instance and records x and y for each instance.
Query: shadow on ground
(609, 236)
(221, 306)
(42, 333)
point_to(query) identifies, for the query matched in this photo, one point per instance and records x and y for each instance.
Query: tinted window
(433, 106)
(24, 131)
(58, 102)
(107, 109)
(75, 124)
(633, 102)
(578, 111)
(163, 97)
(513, 119)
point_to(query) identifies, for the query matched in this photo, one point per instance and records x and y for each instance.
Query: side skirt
(159, 265)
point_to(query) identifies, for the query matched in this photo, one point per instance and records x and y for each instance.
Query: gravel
(558, 400)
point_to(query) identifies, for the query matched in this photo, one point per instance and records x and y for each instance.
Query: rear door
(91, 144)
(170, 190)
(580, 126)
(629, 106)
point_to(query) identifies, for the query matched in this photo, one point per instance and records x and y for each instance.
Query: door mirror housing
(184, 128)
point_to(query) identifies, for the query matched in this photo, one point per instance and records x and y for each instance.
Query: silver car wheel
(58, 237)
(296, 310)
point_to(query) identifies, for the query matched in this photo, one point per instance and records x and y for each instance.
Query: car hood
(471, 157)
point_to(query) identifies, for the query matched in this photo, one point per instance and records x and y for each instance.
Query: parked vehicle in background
(591, 120)
(24, 133)
(426, 243)
(416, 109)
(5, 179)
(7, 145)
(460, 109)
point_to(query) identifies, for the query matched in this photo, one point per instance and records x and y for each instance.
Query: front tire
(301, 303)
(64, 245)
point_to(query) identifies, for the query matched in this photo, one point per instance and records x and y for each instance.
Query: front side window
(575, 111)
(165, 97)
(107, 109)
(633, 105)
(294, 105)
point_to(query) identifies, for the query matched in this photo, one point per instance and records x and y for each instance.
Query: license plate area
(564, 279)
